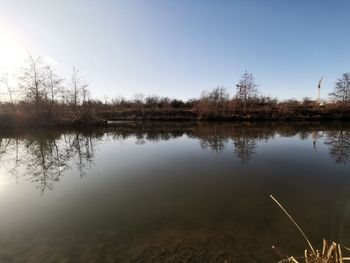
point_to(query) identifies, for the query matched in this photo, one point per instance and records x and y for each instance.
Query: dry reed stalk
(330, 253)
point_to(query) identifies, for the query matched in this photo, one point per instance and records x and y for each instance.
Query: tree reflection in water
(339, 145)
(244, 138)
(245, 148)
(43, 157)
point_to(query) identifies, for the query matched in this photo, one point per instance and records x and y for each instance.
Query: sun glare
(11, 50)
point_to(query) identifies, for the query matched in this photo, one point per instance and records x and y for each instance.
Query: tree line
(40, 93)
(39, 84)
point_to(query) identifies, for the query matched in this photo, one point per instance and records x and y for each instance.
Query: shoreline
(105, 123)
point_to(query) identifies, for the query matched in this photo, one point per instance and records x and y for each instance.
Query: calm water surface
(172, 192)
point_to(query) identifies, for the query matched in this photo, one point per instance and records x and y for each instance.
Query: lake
(172, 192)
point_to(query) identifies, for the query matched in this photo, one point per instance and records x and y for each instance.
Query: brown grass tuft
(330, 252)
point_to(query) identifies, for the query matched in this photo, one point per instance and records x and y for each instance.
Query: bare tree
(78, 88)
(85, 94)
(203, 104)
(139, 100)
(53, 86)
(5, 82)
(31, 80)
(341, 91)
(246, 89)
(218, 97)
(119, 102)
(213, 102)
(152, 101)
(164, 102)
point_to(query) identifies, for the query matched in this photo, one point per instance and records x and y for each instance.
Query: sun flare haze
(199, 131)
(12, 52)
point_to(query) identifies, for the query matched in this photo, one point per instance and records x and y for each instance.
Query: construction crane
(319, 91)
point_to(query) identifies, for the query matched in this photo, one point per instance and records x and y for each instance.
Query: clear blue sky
(179, 48)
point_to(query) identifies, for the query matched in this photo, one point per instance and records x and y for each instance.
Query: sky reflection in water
(162, 192)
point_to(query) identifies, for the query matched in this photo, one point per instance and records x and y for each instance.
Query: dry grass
(330, 252)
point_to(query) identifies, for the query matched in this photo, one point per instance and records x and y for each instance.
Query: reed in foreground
(330, 252)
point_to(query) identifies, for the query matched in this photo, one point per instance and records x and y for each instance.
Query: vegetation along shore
(40, 97)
